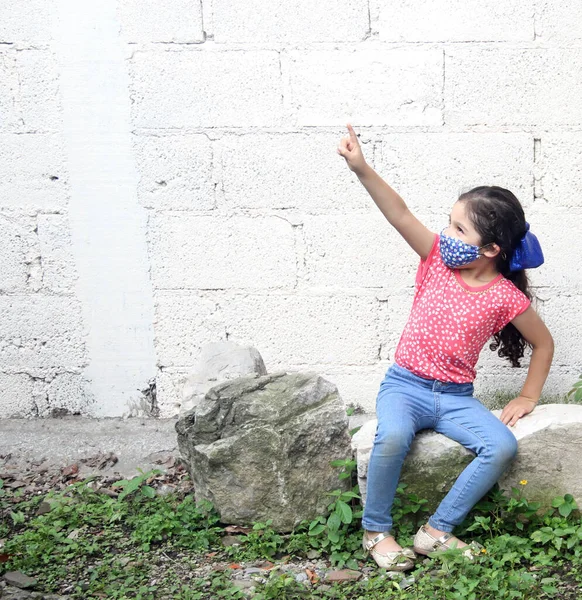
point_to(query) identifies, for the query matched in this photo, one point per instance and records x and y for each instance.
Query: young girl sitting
(470, 286)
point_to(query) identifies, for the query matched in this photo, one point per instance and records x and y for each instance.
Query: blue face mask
(527, 255)
(456, 253)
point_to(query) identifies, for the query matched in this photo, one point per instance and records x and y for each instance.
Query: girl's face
(461, 227)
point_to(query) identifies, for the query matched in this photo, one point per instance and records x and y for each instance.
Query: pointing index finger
(353, 135)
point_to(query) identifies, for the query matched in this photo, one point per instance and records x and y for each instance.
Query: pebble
(20, 580)
(244, 584)
(44, 508)
(343, 575)
(231, 540)
(164, 489)
(406, 582)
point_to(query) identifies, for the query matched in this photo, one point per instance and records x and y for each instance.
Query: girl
(470, 285)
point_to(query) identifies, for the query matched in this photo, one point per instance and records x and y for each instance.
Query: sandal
(399, 560)
(425, 543)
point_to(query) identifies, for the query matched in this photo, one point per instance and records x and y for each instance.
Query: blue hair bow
(528, 254)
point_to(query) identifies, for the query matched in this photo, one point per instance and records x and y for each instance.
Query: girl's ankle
(434, 531)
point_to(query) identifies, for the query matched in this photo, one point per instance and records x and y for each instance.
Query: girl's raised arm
(388, 201)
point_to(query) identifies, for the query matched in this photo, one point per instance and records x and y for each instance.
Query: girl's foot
(388, 544)
(387, 553)
(437, 533)
(428, 540)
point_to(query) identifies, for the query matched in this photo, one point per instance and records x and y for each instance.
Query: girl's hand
(515, 409)
(349, 148)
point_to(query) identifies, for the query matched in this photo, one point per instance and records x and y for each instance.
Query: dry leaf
(311, 575)
(70, 470)
(236, 529)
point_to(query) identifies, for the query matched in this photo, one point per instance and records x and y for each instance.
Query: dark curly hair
(498, 217)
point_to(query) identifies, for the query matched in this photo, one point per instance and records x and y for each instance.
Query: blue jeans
(407, 403)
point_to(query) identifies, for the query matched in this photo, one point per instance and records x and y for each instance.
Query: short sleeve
(425, 263)
(515, 303)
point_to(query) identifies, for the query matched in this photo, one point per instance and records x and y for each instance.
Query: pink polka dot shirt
(451, 321)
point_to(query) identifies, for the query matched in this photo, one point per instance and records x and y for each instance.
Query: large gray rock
(219, 362)
(549, 444)
(260, 447)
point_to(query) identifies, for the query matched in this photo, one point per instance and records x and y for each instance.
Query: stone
(19, 580)
(219, 362)
(260, 448)
(343, 575)
(244, 584)
(548, 459)
(44, 507)
(231, 540)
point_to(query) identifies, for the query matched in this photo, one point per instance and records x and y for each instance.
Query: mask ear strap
(503, 255)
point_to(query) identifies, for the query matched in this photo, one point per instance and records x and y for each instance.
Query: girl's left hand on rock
(515, 409)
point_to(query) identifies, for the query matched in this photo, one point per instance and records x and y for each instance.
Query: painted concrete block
(431, 170)
(16, 396)
(199, 252)
(299, 171)
(26, 23)
(19, 253)
(559, 22)
(33, 171)
(356, 251)
(196, 88)
(40, 332)
(300, 21)
(29, 91)
(170, 21)
(366, 85)
(455, 21)
(305, 329)
(59, 272)
(175, 172)
(184, 322)
(542, 86)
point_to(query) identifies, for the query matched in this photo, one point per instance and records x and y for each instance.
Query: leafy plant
(129, 486)
(565, 504)
(576, 390)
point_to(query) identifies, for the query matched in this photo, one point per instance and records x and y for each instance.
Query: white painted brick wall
(369, 84)
(176, 172)
(185, 87)
(33, 172)
(256, 231)
(541, 86)
(210, 252)
(29, 91)
(295, 22)
(176, 22)
(254, 174)
(454, 21)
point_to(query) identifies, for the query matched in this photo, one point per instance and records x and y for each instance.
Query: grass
(144, 545)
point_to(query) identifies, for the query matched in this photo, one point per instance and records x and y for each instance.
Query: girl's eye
(459, 229)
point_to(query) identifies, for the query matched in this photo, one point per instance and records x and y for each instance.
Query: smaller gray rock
(219, 362)
(343, 575)
(231, 540)
(244, 584)
(19, 580)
